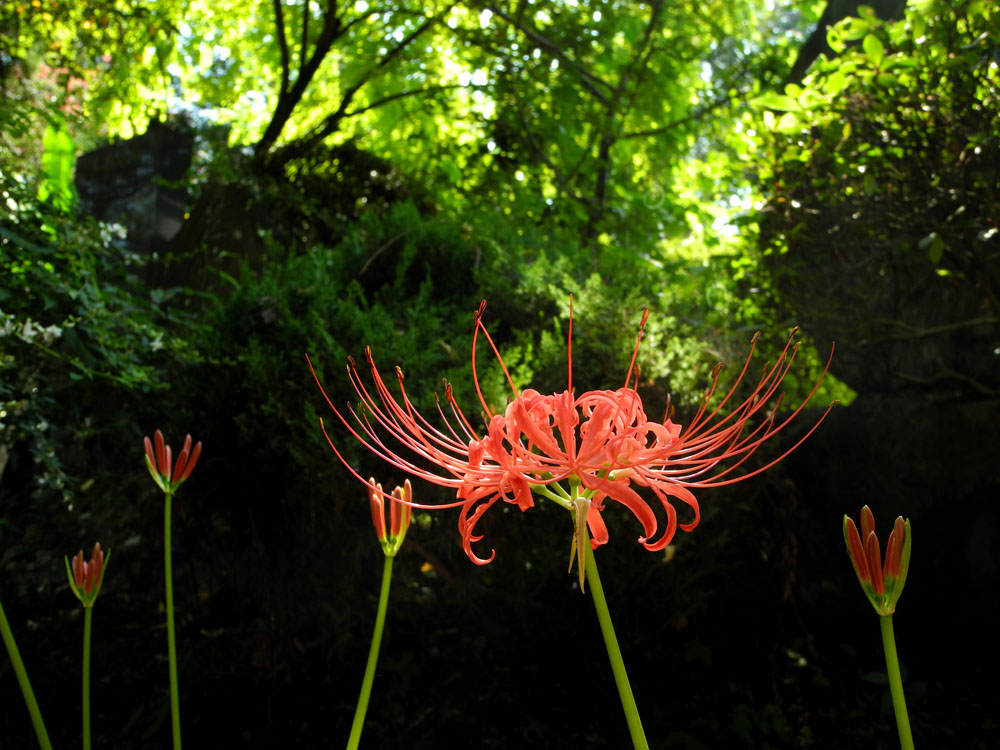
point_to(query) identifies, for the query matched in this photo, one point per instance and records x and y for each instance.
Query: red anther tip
(645, 317)
(756, 336)
(350, 361)
(716, 370)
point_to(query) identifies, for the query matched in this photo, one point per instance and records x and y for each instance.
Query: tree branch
(331, 122)
(279, 28)
(587, 79)
(288, 98)
(684, 120)
(399, 95)
(614, 112)
(540, 152)
(305, 36)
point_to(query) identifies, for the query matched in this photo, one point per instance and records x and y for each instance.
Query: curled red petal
(627, 497)
(598, 530)
(467, 522)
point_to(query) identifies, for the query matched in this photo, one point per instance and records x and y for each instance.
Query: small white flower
(50, 334)
(28, 331)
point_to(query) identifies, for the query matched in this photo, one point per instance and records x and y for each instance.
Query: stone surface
(139, 183)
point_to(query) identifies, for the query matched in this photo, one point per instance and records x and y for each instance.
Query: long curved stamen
(459, 414)
(423, 475)
(477, 317)
(569, 349)
(496, 352)
(635, 351)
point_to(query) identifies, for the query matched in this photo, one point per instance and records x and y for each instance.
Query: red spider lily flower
(158, 462)
(882, 582)
(577, 450)
(399, 514)
(85, 578)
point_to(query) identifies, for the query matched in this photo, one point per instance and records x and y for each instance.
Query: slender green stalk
(175, 707)
(25, 683)
(88, 613)
(614, 653)
(895, 683)
(366, 684)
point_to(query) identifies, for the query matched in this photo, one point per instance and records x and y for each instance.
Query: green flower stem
(24, 682)
(896, 683)
(614, 653)
(366, 684)
(175, 707)
(88, 613)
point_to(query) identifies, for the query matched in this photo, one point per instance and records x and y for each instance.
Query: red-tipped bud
(162, 465)
(881, 582)
(378, 514)
(856, 551)
(894, 548)
(85, 578)
(159, 460)
(867, 522)
(875, 563)
(195, 455)
(79, 570)
(400, 513)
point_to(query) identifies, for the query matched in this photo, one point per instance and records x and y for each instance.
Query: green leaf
(873, 49)
(835, 83)
(774, 100)
(789, 123)
(58, 159)
(934, 246)
(936, 249)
